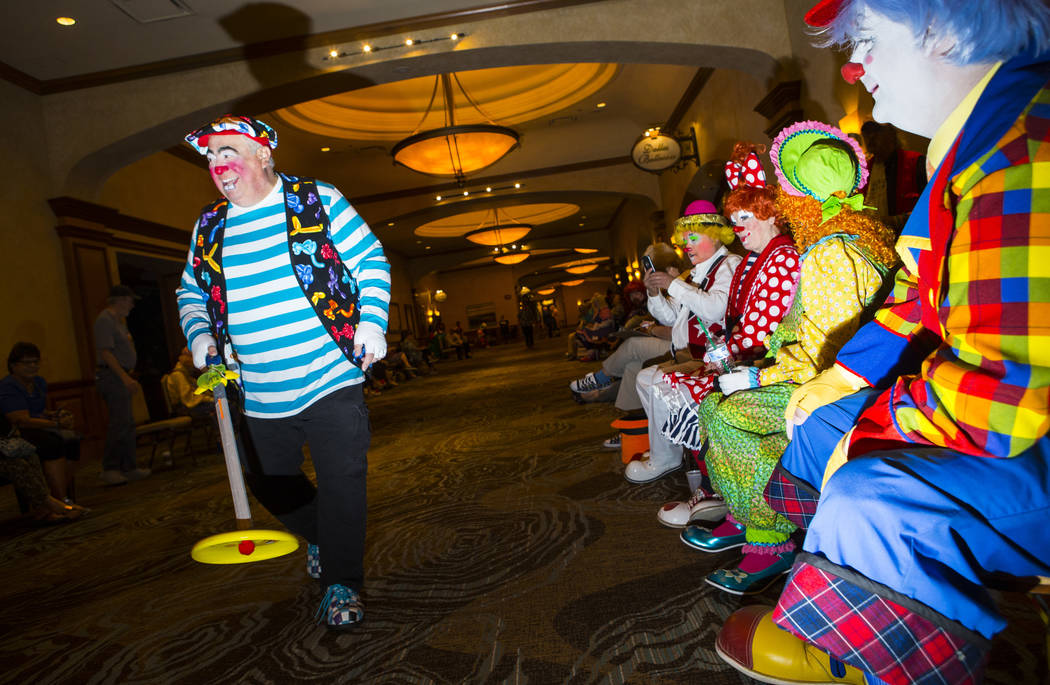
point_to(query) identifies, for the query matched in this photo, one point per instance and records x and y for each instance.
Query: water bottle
(718, 352)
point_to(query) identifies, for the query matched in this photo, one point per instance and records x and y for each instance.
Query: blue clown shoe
(737, 582)
(704, 540)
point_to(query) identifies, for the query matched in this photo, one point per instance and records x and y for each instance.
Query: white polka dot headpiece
(749, 173)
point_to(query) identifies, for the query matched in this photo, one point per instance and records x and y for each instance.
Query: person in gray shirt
(116, 357)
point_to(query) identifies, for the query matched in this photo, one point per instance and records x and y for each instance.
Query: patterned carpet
(503, 547)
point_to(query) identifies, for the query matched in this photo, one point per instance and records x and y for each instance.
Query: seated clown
(845, 254)
(919, 464)
(761, 292)
(692, 305)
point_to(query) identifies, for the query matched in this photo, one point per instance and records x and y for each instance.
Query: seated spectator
(20, 466)
(456, 341)
(635, 309)
(415, 359)
(651, 342)
(549, 321)
(594, 330)
(845, 255)
(23, 402)
(182, 386)
(458, 330)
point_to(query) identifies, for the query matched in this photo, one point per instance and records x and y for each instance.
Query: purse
(14, 447)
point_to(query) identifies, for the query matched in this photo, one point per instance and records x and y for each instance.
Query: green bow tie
(833, 205)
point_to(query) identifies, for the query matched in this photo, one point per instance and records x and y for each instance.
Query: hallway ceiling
(575, 120)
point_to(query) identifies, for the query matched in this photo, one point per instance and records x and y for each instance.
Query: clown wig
(759, 201)
(985, 30)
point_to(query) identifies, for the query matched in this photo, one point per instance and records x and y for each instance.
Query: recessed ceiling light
(466, 193)
(438, 198)
(66, 21)
(409, 41)
(326, 149)
(454, 36)
(517, 185)
(488, 189)
(600, 105)
(333, 53)
(366, 48)
(427, 247)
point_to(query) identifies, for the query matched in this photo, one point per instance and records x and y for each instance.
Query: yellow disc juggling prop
(246, 544)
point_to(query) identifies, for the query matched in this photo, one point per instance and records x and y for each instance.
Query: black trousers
(332, 515)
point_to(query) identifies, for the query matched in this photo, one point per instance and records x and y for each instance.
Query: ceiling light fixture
(497, 233)
(581, 269)
(66, 21)
(408, 42)
(454, 150)
(585, 250)
(509, 257)
(488, 189)
(569, 284)
(545, 291)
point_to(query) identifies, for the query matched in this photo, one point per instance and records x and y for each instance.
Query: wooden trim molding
(281, 46)
(71, 208)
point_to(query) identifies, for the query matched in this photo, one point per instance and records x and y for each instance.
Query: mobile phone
(647, 263)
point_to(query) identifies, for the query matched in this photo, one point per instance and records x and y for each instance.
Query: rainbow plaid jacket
(964, 339)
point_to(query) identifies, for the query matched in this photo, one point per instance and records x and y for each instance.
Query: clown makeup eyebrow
(224, 148)
(739, 217)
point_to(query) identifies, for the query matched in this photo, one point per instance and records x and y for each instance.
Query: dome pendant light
(454, 151)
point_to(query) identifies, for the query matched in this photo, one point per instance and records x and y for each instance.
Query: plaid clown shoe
(341, 608)
(313, 561)
(751, 643)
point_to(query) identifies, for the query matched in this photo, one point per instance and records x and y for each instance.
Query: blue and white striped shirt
(288, 360)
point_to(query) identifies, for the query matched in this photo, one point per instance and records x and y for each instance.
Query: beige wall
(495, 284)
(33, 284)
(160, 188)
(727, 105)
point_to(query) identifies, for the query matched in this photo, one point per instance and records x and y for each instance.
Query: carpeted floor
(504, 546)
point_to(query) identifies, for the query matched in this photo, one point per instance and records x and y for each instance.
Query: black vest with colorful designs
(697, 339)
(325, 281)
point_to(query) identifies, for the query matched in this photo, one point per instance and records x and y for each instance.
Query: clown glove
(829, 386)
(200, 347)
(371, 336)
(838, 457)
(742, 379)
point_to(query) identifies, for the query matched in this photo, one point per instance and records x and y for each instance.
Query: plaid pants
(904, 541)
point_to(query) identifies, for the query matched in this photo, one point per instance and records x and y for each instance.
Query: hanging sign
(656, 153)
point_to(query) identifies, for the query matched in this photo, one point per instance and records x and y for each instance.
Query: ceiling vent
(149, 11)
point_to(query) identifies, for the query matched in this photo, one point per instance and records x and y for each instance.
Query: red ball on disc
(246, 547)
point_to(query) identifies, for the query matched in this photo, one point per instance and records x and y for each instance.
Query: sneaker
(708, 507)
(612, 443)
(587, 383)
(113, 477)
(341, 608)
(137, 474)
(313, 561)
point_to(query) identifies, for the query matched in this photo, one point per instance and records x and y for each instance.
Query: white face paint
(754, 233)
(904, 77)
